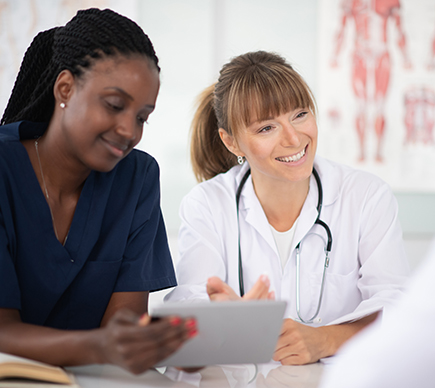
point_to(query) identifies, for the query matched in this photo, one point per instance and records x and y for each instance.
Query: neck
(281, 201)
(63, 178)
(60, 179)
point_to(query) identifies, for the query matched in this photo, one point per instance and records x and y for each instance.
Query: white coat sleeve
(397, 352)
(200, 247)
(384, 267)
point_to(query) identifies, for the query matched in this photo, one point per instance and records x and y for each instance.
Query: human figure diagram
(371, 62)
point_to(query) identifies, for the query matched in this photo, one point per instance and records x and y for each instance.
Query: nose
(290, 136)
(127, 128)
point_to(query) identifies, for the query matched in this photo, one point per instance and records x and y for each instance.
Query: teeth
(294, 158)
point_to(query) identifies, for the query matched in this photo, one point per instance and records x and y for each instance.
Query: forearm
(52, 346)
(334, 336)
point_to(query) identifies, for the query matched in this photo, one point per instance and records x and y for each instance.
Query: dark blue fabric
(117, 241)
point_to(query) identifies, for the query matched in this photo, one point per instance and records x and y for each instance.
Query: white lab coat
(368, 264)
(400, 351)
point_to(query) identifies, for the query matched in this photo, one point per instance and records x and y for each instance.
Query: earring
(62, 105)
(240, 159)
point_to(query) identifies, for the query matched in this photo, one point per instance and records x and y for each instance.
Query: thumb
(215, 285)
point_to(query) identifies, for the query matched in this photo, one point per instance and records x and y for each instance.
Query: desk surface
(225, 376)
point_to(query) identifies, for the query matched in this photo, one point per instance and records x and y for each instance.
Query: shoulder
(21, 130)
(137, 165)
(339, 179)
(219, 189)
(8, 134)
(345, 175)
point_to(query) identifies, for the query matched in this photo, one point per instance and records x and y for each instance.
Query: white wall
(193, 38)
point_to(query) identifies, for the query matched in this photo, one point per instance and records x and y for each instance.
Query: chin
(103, 167)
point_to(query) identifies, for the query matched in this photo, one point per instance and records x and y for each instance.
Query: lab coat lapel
(254, 214)
(251, 208)
(308, 214)
(329, 179)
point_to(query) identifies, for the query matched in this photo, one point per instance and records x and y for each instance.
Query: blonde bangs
(264, 92)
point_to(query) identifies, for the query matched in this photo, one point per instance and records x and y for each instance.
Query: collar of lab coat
(251, 209)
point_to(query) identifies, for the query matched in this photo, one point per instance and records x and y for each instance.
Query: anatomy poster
(21, 20)
(376, 91)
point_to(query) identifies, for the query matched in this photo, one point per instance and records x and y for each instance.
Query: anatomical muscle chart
(376, 92)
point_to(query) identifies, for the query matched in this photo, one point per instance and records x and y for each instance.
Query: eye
(267, 128)
(114, 107)
(142, 120)
(301, 114)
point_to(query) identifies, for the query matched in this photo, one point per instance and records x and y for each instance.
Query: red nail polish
(175, 321)
(193, 333)
(191, 323)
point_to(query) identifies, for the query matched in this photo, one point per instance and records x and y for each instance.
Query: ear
(230, 142)
(63, 86)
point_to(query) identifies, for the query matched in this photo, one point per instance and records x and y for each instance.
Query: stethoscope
(327, 249)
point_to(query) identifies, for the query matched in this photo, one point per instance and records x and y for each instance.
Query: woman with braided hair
(82, 239)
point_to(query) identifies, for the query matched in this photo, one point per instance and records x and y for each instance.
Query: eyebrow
(260, 120)
(122, 91)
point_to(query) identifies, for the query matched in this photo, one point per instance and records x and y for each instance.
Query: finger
(285, 355)
(295, 359)
(219, 297)
(156, 340)
(166, 337)
(260, 290)
(215, 285)
(125, 316)
(144, 320)
(174, 328)
(220, 291)
(287, 326)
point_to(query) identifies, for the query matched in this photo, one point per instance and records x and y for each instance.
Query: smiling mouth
(119, 146)
(293, 158)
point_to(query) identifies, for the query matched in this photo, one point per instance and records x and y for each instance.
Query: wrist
(96, 345)
(327, 341)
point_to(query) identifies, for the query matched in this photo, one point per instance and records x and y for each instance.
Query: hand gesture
(218, 290)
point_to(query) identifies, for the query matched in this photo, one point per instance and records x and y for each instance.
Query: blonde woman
(327, 236)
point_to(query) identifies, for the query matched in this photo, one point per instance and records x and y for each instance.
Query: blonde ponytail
(208, 154)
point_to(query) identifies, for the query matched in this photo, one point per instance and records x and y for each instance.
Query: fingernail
(265, 280)
(190, 323)
(193, 333)
(175, 321)
(143, 319)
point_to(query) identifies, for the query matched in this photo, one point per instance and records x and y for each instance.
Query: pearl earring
(62, 105)
(240, 159)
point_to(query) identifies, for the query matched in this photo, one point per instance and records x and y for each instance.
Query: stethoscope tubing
(327, 249)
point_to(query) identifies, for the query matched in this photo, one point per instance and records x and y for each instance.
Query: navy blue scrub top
(117, 241)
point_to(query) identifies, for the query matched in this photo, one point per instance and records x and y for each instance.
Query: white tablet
(238, 332)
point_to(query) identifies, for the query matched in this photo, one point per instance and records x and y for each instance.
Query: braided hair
(88, 36)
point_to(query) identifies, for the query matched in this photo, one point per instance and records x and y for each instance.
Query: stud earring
(240, 159)
(62, 105)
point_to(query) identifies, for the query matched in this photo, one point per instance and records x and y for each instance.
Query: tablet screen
(237, 332)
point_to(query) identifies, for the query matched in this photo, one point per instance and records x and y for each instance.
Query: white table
(225, 376)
